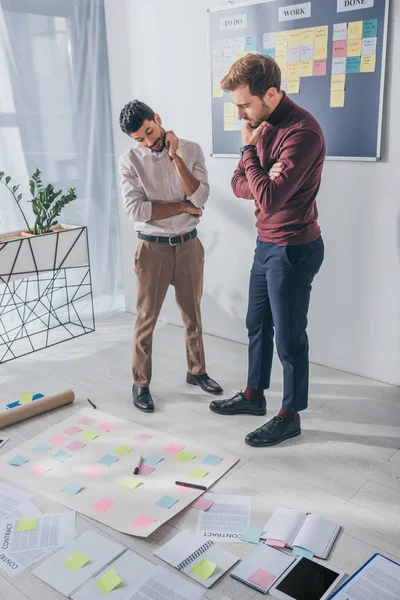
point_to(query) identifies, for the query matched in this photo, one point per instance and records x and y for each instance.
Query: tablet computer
(307, 580)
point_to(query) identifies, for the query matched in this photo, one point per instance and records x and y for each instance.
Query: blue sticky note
(212, 460)
(153, 459)
(72, 488)
(166, 502)
(370, 28)
(41, 448)
(303, 552)
(37, 396)
(18, 460)
(251, 535)
(251, 43)
(353, 64)
(13, 404)
(108, 460)
(269, 52)
(61, 456)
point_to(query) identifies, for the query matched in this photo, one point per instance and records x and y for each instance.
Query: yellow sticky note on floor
(27, 524)
(184, 456)
(368, 64)
(108, 582)
(25, 397)
(76, 561)
(123, 450)
(197, 473)
(204, 569)
(338, 83)
(88, 436)
(337, 99)
(130, 483)
(354, 30)
(293, 86)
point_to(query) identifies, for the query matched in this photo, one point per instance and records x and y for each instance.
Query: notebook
(296, 529)
(187, 550)
(262, 568)
(91, 556)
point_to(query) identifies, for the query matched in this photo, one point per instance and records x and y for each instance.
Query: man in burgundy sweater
(282, 158)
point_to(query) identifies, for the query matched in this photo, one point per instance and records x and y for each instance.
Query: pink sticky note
(40, 470)
(93, 470)
(76, 446)
(57, 439)
(143, 437)
(72, 430)
(87, 421)
(145, 470)
(319, 68)
(144, 521)
(202, 503)
(107, 426)
(182, 489)
(262, 578)
(174, 448)
(103, 505)
(340, 49)
(275, 543)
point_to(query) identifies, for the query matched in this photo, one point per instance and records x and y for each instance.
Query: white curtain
(55, 115)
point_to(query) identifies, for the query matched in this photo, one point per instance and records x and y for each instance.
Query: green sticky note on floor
(184, 456)
(76, 561)
(108, 582)
(123, 450)
(130, 483)
(25, 397)
(27, 524)
(88, 436)
(197, 473)
(204, 569)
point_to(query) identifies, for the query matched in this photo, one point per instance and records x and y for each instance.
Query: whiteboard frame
(378, 156)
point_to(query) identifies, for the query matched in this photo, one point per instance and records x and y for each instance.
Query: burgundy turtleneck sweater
(286, 209)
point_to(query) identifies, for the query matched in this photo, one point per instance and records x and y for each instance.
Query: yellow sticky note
(294, 37)
(26, 524)
(204, 569)
(123, 450)
(282, 39)
(88, 436)
(239, 55)
(307, 36)
(354, 30)
(217, 91)
(321, 43)
(229, 109)
(354, 48)
(108, 582)
(284, 71)
(197, 473)
(368, 64)
(25, 397)
(184, 456)
(76, 561)
(293, 86)
(229, 124)
(130, 483)
(294, 70)
(306, 68)
(337, 99)
(338, 83)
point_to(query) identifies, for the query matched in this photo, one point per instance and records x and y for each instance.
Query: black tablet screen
(308, 580)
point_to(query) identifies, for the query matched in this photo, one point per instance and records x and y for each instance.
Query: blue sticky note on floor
(72, 488)
(153, 459)
(41, 448)
(166, 502)
(212, 460)
(13, 404)
(18, 460)
(61, 456)
(251, 535)
(303, 552)
(108, 460)
(353, 64)
(37, 396)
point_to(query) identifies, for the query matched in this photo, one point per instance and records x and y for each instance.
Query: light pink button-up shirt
(148, 177)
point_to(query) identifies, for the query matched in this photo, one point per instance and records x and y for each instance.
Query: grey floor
(345, 465)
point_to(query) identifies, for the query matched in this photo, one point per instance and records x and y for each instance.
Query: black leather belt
(172, 240)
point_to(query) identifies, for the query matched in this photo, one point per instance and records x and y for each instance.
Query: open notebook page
(284, 525)
(317, 535)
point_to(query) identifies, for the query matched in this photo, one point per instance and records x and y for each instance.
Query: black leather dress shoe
(205, 382)
(142, 398)
(274, 432)
(238, 405)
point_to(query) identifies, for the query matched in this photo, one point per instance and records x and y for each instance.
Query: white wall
(158, 53)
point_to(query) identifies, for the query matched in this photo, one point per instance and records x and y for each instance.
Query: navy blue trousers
(279, 297)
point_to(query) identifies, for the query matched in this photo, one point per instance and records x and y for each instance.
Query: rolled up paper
(26, 411)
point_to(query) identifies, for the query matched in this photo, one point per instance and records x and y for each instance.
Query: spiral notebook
(262, 568)
(190, 554)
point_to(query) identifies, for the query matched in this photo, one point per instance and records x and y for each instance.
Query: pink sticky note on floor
(143, 437)
(202, 503)
(319, 68)
(93, 470)
(144, 521)
(340, 49)
(174, 448)
(103, 505)
(76, 446)
(182, 489)
(72, 430)
(107, 426)
(87, 421)
(262, 578)
(145, 470)
(40, 470)
(275, 543)
(57, 439)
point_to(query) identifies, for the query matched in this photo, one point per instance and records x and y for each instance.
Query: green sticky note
(123, 450)
(27, 524)
(130, 483)
(76, 561)
(88, 436)
(108, 582)
(197, 473)
(184, 456)
(25, 397)
(204, 569)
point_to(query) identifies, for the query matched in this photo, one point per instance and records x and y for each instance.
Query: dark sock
(287, 416)
(253, 395)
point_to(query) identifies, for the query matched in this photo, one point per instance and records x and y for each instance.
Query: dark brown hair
(259, 72)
